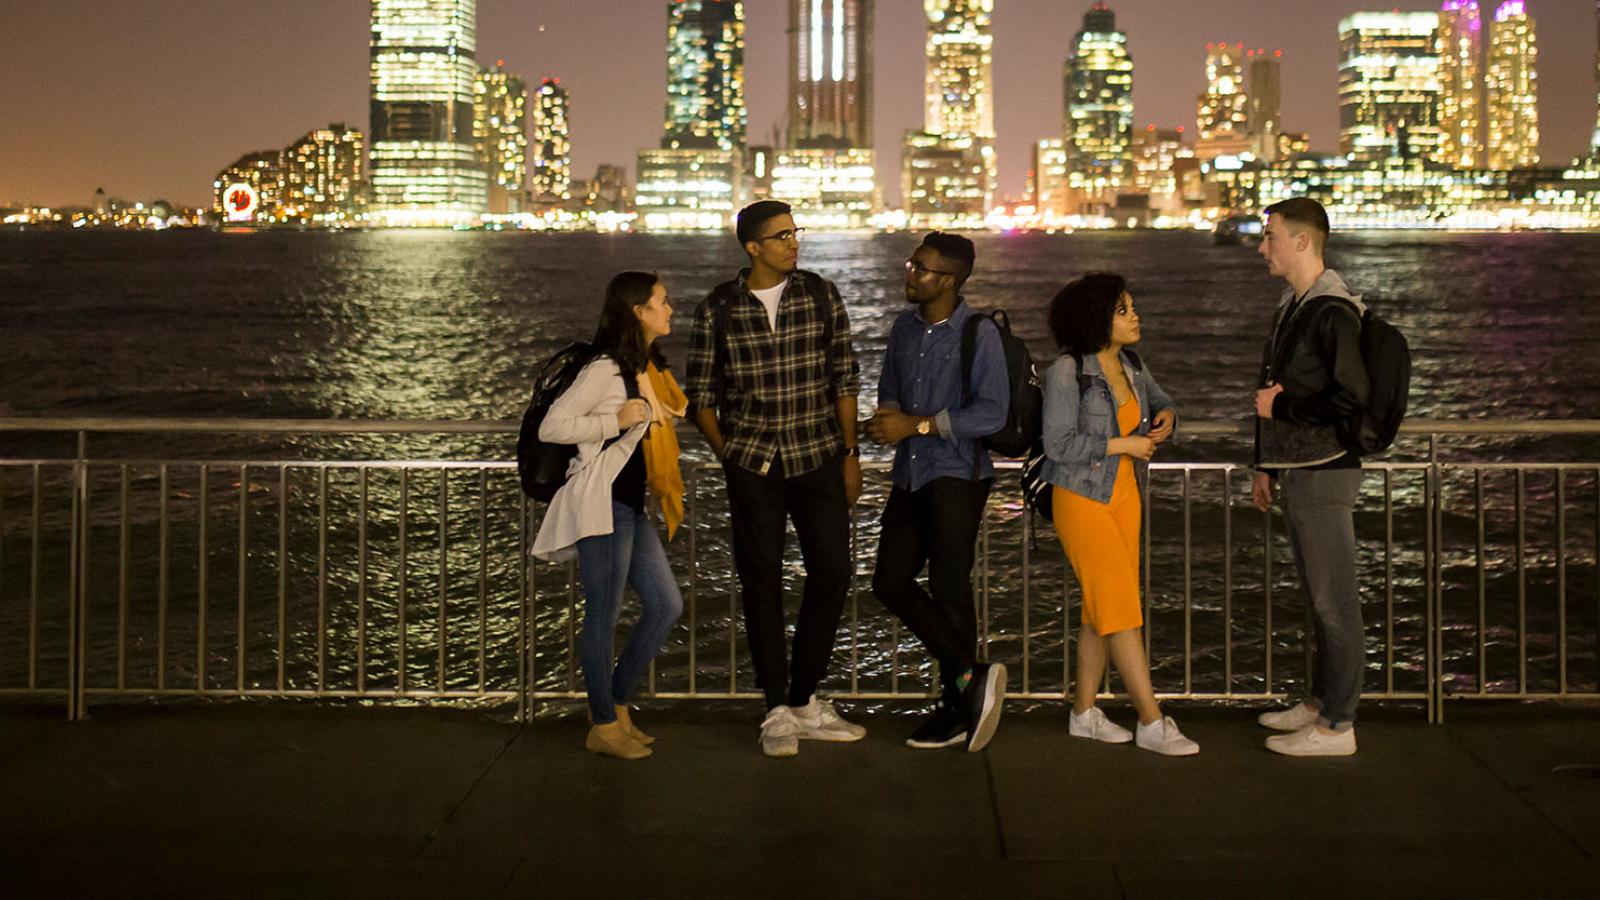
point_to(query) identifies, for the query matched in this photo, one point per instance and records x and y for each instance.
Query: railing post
(77, 559)
(1433, 547)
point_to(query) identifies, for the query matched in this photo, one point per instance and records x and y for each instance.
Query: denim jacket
(1077, 424)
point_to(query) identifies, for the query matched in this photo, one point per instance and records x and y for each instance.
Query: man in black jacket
(1313, 383)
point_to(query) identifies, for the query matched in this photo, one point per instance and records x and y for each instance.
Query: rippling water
(438, 325)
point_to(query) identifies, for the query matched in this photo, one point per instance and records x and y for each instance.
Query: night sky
(151, 98)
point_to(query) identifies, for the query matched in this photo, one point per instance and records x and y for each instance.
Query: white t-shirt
(769, 298)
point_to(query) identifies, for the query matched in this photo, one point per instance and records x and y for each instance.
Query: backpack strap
(969, 351)
(1083, 380)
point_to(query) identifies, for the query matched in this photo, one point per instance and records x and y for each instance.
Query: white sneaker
(1311, 741)
(1094, 725)
(1164, 737)
(819, 721)
(780, 733)
(1292, 719)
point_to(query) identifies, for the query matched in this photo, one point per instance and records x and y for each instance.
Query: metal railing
(409, 580)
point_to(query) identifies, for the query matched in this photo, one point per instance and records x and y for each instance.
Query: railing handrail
(176, 425)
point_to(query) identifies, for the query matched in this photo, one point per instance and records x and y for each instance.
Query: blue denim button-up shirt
(922, 377)
(1078, 423)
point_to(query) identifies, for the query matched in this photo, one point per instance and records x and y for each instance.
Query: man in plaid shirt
(772, 384)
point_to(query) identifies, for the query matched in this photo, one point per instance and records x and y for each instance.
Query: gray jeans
(1320, 507)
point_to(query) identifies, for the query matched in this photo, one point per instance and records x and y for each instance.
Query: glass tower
(1098, 77)
(1461, 84)
(705, 75)
(1513, 88)
(500, 130)
(1389, 86)
(1222, 115)
(1266, 102)
(948, 169)
(425, 166)
(551, 178)
(830, 73)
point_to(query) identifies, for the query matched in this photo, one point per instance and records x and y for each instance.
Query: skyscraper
(1513, 88)
(1223, 116)
(705, 75)
(1098, 86)
(425, 167)
(948, 168)
(1594, 142)
(959, 77)
(1266, 102)
(830, 73)
(1389, 86)
(500, 131)
(1462, 140)
(694, 179)
(550, 170)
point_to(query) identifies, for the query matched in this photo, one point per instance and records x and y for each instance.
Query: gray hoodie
(1314, 351)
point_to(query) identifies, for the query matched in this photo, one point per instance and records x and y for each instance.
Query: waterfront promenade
(290, 800)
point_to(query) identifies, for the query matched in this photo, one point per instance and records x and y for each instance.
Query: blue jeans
(607, 564)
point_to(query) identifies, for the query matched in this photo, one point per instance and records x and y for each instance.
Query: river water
(442, 325)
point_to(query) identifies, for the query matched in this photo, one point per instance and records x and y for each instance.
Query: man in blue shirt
(942, 475)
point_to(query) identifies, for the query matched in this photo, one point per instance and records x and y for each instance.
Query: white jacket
(585, 414)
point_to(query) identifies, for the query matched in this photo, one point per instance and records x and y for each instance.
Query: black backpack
(1035, 489)
(543, 466)
(1387, 356)
(1025, 415)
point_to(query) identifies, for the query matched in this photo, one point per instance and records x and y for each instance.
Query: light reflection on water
(452, 325)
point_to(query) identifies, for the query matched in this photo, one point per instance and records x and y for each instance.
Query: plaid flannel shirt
(774, 391)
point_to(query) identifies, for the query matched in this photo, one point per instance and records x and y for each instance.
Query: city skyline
(164, 127)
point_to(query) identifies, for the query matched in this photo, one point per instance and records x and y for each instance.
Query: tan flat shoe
(626, 719)
(611, 739)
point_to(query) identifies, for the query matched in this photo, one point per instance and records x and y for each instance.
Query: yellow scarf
(662, 474)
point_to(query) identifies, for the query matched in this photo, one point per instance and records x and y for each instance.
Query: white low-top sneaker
(780, 733)
(1164, 737)
(1094, 725)
(1292, 719)
(1311, 741)
(819, 721)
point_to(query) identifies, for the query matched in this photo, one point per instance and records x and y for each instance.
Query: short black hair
(1081, 314)
(1305, 212)
(752, 217)
(956, 249)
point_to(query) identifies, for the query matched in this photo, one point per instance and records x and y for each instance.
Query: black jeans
(936, 526)
(758, 506)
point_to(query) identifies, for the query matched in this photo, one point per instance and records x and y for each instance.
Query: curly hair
(1080, 315)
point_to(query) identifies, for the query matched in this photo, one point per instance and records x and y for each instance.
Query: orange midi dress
(1102, 541)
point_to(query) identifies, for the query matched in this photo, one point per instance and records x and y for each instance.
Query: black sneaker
(983, 698)
(947, 727)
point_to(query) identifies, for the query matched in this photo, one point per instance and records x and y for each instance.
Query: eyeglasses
(786, 235)
(915, 268)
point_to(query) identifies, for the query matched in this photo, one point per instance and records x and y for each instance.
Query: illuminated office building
(550, 165)
(1047, 181)
(1154, 155)
(1461, 119)
(324, 176)
(948, 169)
(425, 165)
(705, 75)
(1266, 102)
(830, 73)
(1098, 87)
(263, 172)
(500, 132)
(1594, 142)
(1513, 88)
(1389, 86)
(687, 188)
(828, 187)
(1223, 115)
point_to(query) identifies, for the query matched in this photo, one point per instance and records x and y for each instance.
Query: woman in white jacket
(599, 515)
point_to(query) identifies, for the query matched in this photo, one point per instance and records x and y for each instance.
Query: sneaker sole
(1334, 755)
(783, 753)
(832, 737)
(1118, 739)
(937, 745)
(993, 701)
(1287, 729)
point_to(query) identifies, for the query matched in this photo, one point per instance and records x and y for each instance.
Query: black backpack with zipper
(542, 465)
(1025, 413)
(1387, 356)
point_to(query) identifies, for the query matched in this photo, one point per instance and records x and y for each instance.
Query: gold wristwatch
(924, 426)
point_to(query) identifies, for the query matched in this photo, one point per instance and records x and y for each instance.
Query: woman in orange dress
(1104, 416)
